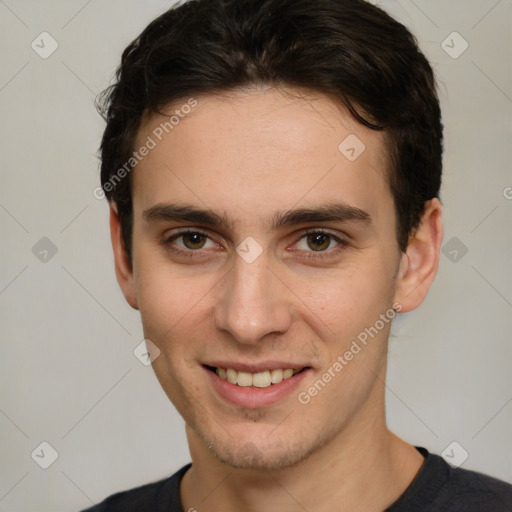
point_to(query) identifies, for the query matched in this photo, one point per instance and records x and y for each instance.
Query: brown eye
(318, 241)
(194, 240)
(190, 243)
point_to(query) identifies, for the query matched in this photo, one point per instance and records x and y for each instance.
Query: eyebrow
(166, 212)
(337, 212)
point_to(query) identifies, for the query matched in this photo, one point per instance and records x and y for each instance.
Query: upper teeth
(259, 380)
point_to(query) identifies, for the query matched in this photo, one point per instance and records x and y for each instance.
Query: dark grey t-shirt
(436, 488)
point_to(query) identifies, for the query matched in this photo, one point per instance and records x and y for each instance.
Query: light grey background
(68, 374)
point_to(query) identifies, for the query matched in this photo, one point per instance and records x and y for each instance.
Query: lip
(252, 397)
(256, 367)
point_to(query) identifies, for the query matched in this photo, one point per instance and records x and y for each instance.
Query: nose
(254, 302)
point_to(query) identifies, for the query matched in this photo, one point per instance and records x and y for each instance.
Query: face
(261, 249)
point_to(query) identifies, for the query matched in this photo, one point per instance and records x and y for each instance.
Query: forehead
(254, 151)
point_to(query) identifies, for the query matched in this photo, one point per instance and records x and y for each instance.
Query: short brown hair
(347, 49)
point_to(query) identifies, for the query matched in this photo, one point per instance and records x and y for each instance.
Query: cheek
(166, 297)
(345, 313)
(344, 301)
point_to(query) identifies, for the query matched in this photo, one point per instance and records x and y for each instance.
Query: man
(273, 169)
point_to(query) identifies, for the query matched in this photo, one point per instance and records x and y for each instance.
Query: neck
(363, 469)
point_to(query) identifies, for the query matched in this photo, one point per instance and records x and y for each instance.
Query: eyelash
(168, 243)
(329, 253)
(315, 255)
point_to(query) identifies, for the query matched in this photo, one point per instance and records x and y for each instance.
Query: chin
(260, 454)
(250, 457)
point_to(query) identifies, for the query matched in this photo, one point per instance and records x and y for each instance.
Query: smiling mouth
(262, 379)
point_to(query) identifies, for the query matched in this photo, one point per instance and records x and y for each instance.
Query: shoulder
(449, 489)
(476, 491)
(439, 487)
(156, 496)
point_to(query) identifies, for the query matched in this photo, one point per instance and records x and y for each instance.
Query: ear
(124, 272)
(419, 263)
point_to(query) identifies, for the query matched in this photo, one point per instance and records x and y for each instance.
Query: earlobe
(420, 262)
(124, 271)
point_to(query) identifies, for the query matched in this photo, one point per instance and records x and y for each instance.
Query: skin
(248, 156)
